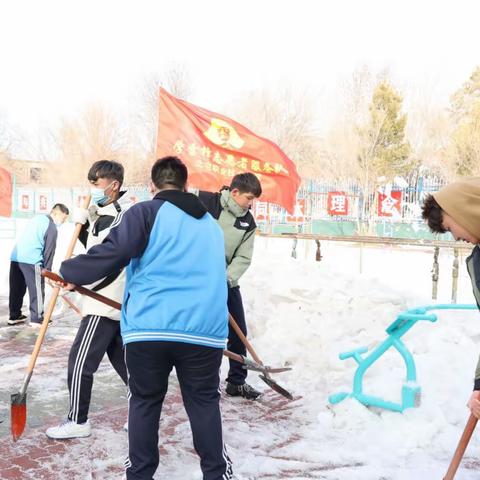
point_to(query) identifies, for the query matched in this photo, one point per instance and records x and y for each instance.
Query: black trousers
(25, 276)
(95, 337)
(236, 375)
(149, 365)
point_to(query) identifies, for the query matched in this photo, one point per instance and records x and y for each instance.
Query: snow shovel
(18, 404)
(461, 447)
(71, 305)
(266, 377)
(247, 363)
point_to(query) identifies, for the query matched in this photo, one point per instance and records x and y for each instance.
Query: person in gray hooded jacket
(231, 207)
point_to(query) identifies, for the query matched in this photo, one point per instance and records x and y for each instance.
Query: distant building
(27, 172)
(73, 173)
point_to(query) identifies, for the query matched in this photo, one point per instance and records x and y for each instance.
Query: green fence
(351, 228)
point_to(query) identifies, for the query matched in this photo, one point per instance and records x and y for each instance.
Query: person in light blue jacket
(34, 250)
(174, 314)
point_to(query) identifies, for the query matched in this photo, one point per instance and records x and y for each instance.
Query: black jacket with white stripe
(100, 222)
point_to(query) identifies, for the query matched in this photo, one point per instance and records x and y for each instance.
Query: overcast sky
(56, 56)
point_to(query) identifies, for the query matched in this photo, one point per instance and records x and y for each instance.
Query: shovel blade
(257, 367)
(276, 387)
(18, 412)
(277, 370)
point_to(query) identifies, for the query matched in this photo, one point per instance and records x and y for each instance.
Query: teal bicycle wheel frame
(410, 389)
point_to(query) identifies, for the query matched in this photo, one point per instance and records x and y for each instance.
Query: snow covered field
(304, 313)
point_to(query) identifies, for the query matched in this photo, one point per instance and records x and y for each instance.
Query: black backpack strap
(102, 223)
(117, 206)
(108, 280)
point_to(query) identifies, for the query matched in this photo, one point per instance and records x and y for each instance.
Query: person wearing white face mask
(99, 330)
(34, 250)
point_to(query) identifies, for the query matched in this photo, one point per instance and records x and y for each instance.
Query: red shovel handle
(84, 291)
(112, 303)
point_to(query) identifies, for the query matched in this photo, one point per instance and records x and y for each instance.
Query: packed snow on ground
(303, 313)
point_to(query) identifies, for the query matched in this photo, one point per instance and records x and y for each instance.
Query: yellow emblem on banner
(224, 135)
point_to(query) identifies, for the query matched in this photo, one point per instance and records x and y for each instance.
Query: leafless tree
(429, 130)
(351, 139)
(8, 138)
(79, 142)
(286, 117)
(176, 80)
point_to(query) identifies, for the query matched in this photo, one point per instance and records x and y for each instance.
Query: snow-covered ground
(304, 313)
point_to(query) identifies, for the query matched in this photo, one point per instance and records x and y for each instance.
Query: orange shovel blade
(18, 415)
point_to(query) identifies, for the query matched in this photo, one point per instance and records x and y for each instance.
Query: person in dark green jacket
(231, 207)
(456, 209)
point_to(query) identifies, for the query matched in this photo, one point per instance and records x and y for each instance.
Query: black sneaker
(245, 391)
(16, 321)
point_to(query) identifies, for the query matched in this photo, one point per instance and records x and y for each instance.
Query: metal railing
(361, 241)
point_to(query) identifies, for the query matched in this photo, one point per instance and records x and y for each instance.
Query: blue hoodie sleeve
(127, 239)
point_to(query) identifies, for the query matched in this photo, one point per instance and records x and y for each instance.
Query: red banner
(389, 204)
(337, 203)
(215, 148)
(5, 193)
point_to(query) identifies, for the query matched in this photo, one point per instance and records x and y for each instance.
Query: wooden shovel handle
(118, 306)
(461, 447)
(71, 305)
(112, 303)
(84, 291)
(244, 340)
(53, 298)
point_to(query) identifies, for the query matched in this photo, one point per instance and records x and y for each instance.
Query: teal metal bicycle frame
(410, 389)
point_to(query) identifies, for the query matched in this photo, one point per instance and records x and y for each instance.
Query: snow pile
(304, 313)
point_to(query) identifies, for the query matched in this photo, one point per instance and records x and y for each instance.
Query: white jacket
(100, 221)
